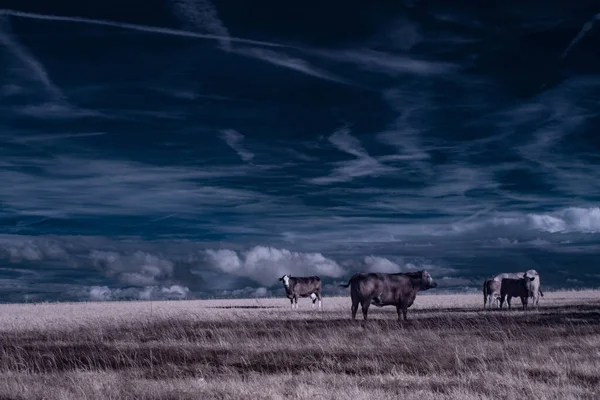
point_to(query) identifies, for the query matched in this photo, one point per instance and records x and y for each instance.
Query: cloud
(296, 64)
(391, 64)
(31, 80)
(568, 220)
(582, 33)
(202, 15)
(104, 293)
(266, 265)
(380, 264)
(363, 164)
(137, 269)
(73, 186)
(135, 27)
(22, 249)
(234, 140)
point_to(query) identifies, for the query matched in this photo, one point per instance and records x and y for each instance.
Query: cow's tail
(541, 293)
(349, 282)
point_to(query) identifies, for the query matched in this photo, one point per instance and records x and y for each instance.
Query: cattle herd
(400, 289)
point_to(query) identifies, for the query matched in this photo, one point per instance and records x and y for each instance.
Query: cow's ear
(532, 278)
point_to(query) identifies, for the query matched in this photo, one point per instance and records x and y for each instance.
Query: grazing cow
(536, 289)
(296, 286)
(382, 289)
(511, 287)
(491, 293)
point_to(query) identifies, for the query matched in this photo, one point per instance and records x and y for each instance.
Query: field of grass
(260, 349)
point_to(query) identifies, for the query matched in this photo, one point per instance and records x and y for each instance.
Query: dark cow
(536, 289)
(297, 286)
(511, 287)
(491, 293)
(382, 289)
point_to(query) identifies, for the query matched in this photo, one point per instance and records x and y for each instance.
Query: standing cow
(536, 290)
(382, 289)
(511, 287)
(296, 286)
(491, 293)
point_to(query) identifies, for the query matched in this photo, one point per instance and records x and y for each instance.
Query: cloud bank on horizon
(209, 150)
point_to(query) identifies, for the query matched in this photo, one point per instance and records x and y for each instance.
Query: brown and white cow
(491, 293)
(302, 286)
(382, 289)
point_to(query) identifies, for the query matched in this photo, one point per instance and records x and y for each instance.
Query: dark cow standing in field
(511, 287)
(296, 286)
(382, 289)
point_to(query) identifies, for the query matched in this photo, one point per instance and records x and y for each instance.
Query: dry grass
(259, 349)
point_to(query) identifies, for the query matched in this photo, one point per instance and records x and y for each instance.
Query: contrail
(135, 27)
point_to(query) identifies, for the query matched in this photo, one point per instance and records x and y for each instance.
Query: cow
(536, 289)
(513, 287)
(381, 289)
(296, 286)
(491, 293)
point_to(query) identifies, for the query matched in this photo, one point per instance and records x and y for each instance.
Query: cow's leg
(320, 298)
(296, 301)
(402, 309)
(508, 300)
(524, 301)
(354, 309)
(292, 302)
(502, 299)
(313, 297)
(355, 300)
(365, 307)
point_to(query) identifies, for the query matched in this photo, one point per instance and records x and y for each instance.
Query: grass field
(260, 349)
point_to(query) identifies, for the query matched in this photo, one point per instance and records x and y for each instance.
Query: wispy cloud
(53, 103)
(34, 68)
(202, 15)
(582, 33)
(73, 186)
(363, 164)
(296, 64)
(234, 140)
(391, 64)
(135, 27)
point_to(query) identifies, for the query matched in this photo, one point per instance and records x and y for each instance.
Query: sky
(194, 149)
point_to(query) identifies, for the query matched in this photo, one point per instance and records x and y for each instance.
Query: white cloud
(572, 219)
(380, 264)
(267, 264)
(234, 140)
(104, 293)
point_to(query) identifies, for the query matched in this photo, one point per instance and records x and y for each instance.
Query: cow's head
(286, 280)
(528, 278)
(427, 281)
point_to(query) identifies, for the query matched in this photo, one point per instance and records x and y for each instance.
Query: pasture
(259, 349)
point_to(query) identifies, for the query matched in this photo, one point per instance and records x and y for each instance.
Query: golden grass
(259, 349)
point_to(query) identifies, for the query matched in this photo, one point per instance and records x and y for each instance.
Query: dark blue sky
(163, 149)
